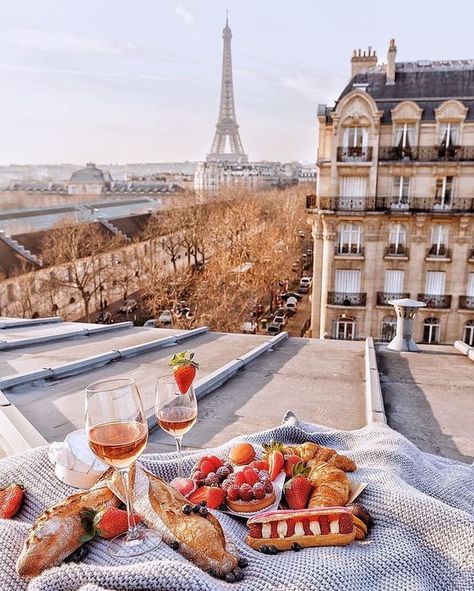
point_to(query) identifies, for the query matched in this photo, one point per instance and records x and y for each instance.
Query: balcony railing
(438, 251)
(393, 204)
(396, 250)
(466, 302)
(435, 301)
(349, 250)
(311, 201)
(427, 153)
(336, 298)
(383, 297)
(354, 154)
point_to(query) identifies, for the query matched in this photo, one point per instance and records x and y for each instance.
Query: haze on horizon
(114, 82)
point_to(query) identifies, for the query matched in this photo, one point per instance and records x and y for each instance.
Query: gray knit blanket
(423, 537)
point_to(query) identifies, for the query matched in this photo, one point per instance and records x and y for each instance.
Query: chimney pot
(390, 68)
(363, 60)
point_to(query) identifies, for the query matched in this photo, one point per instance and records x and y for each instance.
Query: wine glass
(117, 432)
(176, 412)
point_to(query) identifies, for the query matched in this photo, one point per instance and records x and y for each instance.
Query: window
(355, 142)
(349, 239)
(353, 190)
(439, 240)
(404, 135)
(345, 328)
(435, 282)
(401, 185)
(347, 281)
(389, 328)
(448, 134)
(470, 285)
(396, 239)
(431, 330)
(394, 280)
(444, 191)
(468, 334)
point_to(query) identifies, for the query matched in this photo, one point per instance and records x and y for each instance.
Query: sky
(123, 81)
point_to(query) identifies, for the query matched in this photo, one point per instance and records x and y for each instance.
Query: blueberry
(203, 503)
(212, 572)
(230, 578)
(243, 562)
(264, 549)
(174, 545)
(203, 511)
(238, 574)
(197, 508)
(187, 509)
(272, 550)
(296, 547)
(223, 507)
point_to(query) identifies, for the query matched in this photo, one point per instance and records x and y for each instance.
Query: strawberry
(259, 464)
(207, 467)
(297, 490)
(212, 495)
(275, 459)
(291, 461)
(107, 523)
(11, 499)
(216, 462)
(184, 370)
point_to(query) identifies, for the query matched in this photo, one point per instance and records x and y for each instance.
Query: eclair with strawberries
(325, 526)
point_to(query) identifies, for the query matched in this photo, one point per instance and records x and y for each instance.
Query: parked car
(150, 323)
(280, 317)
(306, 281)
(165, 317)
(291, 303)
(249, 327)
(128, 306)
(291, 294)
(273, 328)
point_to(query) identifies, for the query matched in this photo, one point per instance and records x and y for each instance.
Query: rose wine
(177, 420)
(118, 443)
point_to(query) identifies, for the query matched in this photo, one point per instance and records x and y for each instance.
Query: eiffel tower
(227, 145)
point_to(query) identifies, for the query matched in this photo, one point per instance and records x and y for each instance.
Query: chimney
(391, 55)
(363, 60)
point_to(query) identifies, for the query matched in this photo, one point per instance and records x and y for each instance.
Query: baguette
(201, 538)
(331, 526)
(56, 532)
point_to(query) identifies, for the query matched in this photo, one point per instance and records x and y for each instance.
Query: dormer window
(448, 134)
(404, 135)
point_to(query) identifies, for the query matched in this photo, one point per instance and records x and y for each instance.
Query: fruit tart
(249, 490)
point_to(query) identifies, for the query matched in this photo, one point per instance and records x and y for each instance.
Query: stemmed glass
(117, 432)
(176, 412)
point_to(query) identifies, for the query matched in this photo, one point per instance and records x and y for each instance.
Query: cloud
(56, 41)
(185, 15)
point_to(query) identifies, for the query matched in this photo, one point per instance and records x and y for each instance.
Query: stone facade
(394, 210)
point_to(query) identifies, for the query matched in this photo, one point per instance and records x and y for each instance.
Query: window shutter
(393, 281)
(470, 285)
(435, 281)
(347, 281)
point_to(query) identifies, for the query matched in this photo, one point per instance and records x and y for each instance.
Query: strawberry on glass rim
(184, 370)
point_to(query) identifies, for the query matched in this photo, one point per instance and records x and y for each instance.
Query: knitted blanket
(423, 537)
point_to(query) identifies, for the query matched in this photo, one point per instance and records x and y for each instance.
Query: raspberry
(229, 467)
(198, 477)
(251, 476)
(268, 486)
(212, 479)
(246, 492)
(264, 475)
(240, 478)
(226, 483)
(222, 473)
(233, 493)
(259, 490)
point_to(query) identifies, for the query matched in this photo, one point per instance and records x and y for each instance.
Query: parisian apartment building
(393, 214)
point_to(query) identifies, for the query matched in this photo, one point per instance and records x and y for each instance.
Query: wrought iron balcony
(349, 250)
(311, 201)
(466, 302)
(336, 298)
(392, 204)
(438, 251)
(383, 297)
(354, 154)
(396, 250)
(427, 153)
(435, 301)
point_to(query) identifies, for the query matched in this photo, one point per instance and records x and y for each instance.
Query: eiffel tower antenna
(227, 145)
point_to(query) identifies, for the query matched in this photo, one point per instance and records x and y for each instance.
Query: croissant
(331, 487)
(312, 451)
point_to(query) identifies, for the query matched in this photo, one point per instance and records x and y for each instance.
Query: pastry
(312, 451)
(242, 453)
(199, 534)
(362, 520)
(332, 526)
(248, 490)
(252, 506)
(331, 486)
(57, 531)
